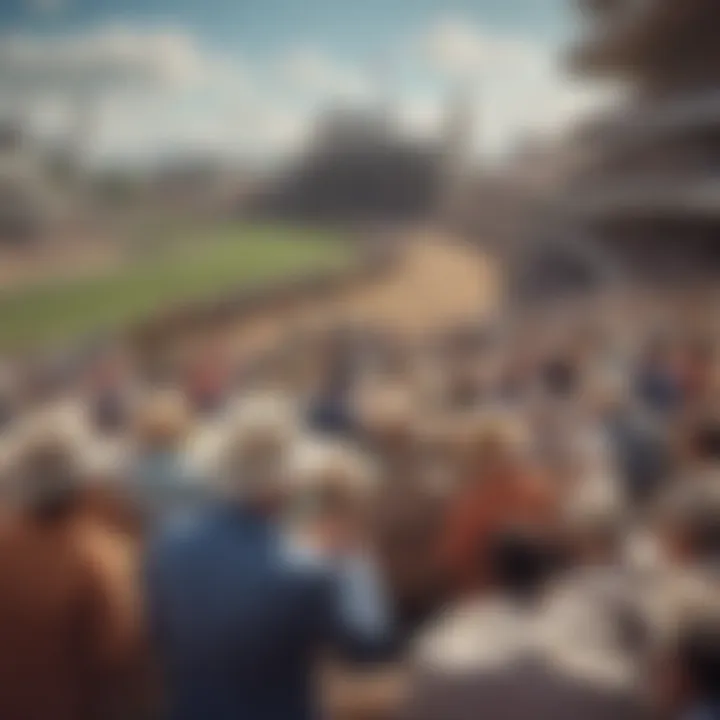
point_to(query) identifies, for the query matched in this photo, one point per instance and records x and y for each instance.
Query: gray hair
(255, 448)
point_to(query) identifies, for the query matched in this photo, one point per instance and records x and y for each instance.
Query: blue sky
(265, 25)
(239, 76)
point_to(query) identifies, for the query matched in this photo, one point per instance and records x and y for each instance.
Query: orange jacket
(484, 507)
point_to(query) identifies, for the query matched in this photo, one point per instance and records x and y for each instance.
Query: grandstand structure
(647, 191)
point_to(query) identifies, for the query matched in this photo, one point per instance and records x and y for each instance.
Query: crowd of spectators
(490, 521)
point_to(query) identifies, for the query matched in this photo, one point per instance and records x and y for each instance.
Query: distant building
(195, 185)
(359, 166)
(31, 202)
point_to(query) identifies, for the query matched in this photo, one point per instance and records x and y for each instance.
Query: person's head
(559, 378)
(658, 352)
(109, 367)
(387, 416)
(435, 466)
(691, 671)
(703, 444)
(700, 656)
(333, 485)
(162, 421)
(44, 473)
(521, 561)
(606, 391)
(702, 351)
(493, 445)
(255, 452)
(575, 451)
(689, 518)
(593, 529)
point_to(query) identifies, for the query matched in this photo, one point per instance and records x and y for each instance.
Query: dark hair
(109, 413)
(521, 561)
(50, 475)
(693, 510)
(559, 377)
(333, 500)
(56, 506)
(658, 345)
(703, 349)
(706, 440)
(699, 654)
(704, 533)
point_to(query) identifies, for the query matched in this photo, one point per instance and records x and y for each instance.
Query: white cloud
(422, 117)
(309, 70)
(148, 89)
(516, 84)
(101, 61)
(462, 49)
(160, 89)
(236, 126)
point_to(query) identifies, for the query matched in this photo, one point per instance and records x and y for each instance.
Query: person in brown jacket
(64, 639)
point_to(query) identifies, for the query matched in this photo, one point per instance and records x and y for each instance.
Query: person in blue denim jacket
(239, 616)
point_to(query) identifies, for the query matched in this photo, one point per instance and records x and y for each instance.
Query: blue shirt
(161, 485)
(362, 602)
(238, 625)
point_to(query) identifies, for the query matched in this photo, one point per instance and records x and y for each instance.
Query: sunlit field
(200, 266)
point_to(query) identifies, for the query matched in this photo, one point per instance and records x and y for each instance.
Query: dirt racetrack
(437, 281)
